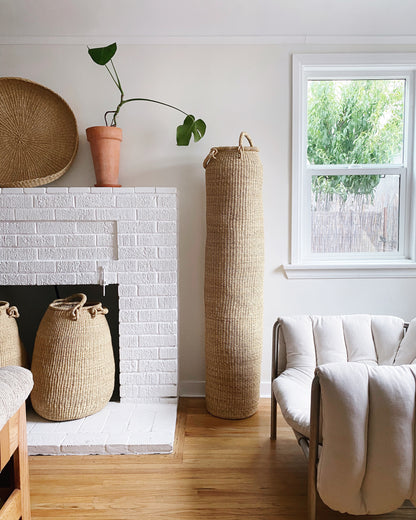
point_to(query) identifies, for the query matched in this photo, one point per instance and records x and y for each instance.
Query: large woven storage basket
(73, 360)
(234, 266)
(12, 351)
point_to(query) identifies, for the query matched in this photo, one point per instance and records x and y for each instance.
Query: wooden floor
(220, 470)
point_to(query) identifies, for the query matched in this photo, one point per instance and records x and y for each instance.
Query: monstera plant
(110, 135)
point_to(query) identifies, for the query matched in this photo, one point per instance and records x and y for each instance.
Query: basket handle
(98, 309)
(13, 312)
(240, 143)
(74, 297)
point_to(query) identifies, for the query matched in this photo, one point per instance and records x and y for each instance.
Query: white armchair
(353, 417)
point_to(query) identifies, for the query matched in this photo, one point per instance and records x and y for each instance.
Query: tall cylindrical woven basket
(73, 360)
(234, 271)
(12, 351)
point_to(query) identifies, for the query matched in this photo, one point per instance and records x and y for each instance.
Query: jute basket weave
(73, 360)
(38, 134)
(234, 266)
(12, 351)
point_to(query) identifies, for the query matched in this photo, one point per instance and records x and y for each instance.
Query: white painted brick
(136, 201)
(36, 240)
(119, 266)
(11, 190)
(167, 252)
(115, 214)
(55, 189)
(56, 278)
(157, 290)
(75, 240)
(129, 353)
(128, 316)
(57, 200)
(80, 214)
(8, 241)
(144, 189)
(168, 328)
(35, 214)
(156, 239)
(157, 341)
(79, 190)
(167, 353)
(130, 303)
(166, 201)
(36, 191)
(96, 227)
(55, 228)
(128, 366)
(166, 227)
(157, 315)
(99, 189)
(137, 252)
(158, 265)
(167, 277)
(8, 213)
(75, 266)
(127, 290)
(126, 240)
(159, 365)
(37, 267)
(129, 391)
(16, 201)
(18, 279)
(137, 278)
(123, 189)
(95, 200)
(106, 241)
(136, 227)
(139, 379)
(156, 214)
(127, 340)
(87, 278)
(167, 302)
(158, 391)
(169, 378)
(51, 253)
(8, 267)
(166, 189)
(138, 328)
(24, 254)
(17, 228)
(97, 253)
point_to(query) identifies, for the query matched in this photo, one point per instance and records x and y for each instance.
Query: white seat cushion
(16, 384)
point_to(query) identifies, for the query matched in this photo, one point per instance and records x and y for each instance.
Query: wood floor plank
(220, 470)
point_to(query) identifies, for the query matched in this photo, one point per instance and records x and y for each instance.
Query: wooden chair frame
(13, 446)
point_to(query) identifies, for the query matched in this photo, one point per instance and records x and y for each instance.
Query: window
(353, 128)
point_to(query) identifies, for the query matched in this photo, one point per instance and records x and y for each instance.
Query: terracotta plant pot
(105, 149)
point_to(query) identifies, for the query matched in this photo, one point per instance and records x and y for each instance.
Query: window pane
(355, 121)
(355, 213)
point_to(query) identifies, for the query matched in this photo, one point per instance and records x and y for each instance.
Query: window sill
(401, 269)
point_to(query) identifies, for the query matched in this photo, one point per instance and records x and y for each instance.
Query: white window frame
(304, 264)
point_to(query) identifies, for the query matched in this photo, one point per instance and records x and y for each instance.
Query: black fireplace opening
(33, 300)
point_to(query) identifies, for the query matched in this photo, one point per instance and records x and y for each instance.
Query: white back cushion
(316, 340)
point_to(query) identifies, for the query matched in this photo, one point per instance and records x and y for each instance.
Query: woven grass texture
(38, 134)
(234, 271)
(73, 361)
(12, 351)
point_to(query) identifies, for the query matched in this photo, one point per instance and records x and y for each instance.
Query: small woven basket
(38, 134)
(234, 265)
(12, 351)
(73, 360)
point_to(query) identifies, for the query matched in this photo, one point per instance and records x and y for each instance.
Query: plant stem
(152, 101)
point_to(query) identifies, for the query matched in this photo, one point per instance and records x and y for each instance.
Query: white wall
(234, 87)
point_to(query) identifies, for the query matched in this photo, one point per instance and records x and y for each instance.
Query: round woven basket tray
(38, 134)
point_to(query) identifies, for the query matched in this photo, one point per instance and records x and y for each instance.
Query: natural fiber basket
(73, 360)
(12, 351)
(38, 134)
(234, 265)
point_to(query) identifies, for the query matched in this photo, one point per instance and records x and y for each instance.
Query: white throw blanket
(367, 463)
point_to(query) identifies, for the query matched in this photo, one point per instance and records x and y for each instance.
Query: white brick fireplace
(124, 236)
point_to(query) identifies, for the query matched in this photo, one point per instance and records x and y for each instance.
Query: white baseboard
(197, 388)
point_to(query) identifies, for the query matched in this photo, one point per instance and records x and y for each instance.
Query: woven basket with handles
(73, 360)
(12, 351)
(234, 265)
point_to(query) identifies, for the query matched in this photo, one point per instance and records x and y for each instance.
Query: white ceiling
(207, 18)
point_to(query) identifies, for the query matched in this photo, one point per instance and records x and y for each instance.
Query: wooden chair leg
(313, 448)
(273, 418)
(21, 466)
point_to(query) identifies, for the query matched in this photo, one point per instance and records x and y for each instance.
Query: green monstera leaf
(188, 128)
(102, 55)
